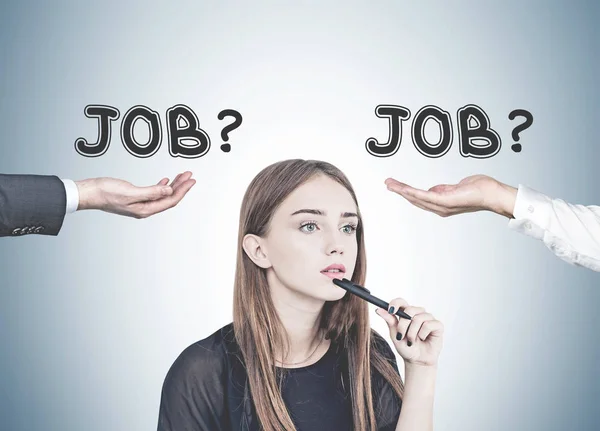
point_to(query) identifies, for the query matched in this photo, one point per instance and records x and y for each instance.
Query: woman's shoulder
(208, 355)
(193, 392)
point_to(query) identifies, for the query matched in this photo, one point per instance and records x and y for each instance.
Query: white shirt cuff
(532, 212)
(72, 195)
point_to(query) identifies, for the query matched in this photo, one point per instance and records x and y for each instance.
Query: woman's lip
(338, 275)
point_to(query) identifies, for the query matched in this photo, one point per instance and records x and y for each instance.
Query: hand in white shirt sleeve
(571, 232)
(72, 195)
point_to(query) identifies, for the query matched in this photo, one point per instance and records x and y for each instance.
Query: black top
(204, 390)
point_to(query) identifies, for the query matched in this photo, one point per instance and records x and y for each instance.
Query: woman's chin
(335, 294)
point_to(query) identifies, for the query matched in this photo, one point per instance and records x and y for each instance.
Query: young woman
(300, 353)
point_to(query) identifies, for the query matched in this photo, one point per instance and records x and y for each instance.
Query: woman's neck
(300, 316)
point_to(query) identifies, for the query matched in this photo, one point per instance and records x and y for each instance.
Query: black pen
(364, 293)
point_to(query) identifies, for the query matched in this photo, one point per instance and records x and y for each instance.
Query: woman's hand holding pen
(419, 340)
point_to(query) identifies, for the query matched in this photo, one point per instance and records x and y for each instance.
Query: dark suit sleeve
(31, 204)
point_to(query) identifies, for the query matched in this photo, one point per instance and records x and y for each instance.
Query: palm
(448, 199)
(121, 197)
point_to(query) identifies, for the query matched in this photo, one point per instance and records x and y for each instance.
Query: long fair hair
(258, 329)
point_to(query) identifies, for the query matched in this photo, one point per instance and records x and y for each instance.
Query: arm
(37, 204)
(572, 232)
(120, 197)
(419, 342)
(31, 204)
(417, 403)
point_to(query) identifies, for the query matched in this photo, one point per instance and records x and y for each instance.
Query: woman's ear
(254, 248)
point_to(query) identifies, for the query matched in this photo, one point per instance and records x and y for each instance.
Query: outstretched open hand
(121, 197)
(419, 340)
(474, 193)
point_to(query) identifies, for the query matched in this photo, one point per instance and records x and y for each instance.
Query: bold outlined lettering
(395, 115)
(481, 132)
(191, 132)
(444, 120)
(105, 115)
(152, 118)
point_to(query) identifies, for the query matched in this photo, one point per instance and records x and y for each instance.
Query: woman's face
(314, 228)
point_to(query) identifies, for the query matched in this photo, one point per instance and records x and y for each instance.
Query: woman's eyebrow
(323, 213)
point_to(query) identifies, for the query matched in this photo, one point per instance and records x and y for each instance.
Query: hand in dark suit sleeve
(37, 204)
(120, 197)
(31, 204)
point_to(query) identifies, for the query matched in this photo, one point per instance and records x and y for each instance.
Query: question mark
(238, 120)
(515, 133)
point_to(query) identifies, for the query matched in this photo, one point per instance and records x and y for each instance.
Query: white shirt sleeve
(571, 232)
(72, 195)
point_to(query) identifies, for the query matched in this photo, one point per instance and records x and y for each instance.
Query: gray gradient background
(91, 320)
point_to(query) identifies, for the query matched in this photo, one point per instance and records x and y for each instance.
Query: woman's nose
(334, 245)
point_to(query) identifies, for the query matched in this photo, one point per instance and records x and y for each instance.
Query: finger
(452, 199)
(182, 178)
(431, 328)
(392, 182)
(180, 191)
(175, 180)
(408, 193)
(397, 186)
(442, 188)
(415, 326)
(148, 193)
(440, 195)
(388, 315)
(395, 305)
(154, 207)
(429, 197)
(436, 209)
(404, 189)
(389, 319)
(163, 182)
(404, 324)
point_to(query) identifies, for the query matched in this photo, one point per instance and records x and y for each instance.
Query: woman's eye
(350, 228)
(308, 224)
(312, 226)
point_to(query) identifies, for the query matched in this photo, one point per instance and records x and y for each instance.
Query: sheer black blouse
(204, 390)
